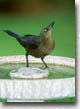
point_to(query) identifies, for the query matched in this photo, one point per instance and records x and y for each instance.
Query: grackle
(37, 46)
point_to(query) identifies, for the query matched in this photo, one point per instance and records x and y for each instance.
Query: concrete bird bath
(36, 87)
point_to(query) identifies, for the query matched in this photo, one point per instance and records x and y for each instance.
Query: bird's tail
(13, 34)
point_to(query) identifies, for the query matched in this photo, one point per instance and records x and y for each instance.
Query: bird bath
(57, 81)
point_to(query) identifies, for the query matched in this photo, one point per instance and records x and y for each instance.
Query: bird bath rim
(49, 59)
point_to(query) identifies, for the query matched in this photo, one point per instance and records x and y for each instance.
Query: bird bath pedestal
(36, 88)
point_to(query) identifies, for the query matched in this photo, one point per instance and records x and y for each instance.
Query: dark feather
(27, 35)
(32, 42)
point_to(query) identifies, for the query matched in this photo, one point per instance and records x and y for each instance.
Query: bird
(37, 46)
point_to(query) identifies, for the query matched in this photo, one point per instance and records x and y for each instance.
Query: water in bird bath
(54, 71)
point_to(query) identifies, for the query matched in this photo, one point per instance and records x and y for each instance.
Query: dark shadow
(38, 104)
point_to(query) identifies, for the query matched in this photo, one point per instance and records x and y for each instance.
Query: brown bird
(37, 46)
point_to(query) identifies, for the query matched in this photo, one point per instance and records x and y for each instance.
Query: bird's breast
(45, 48)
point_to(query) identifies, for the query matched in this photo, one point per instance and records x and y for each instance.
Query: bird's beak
(50, 26)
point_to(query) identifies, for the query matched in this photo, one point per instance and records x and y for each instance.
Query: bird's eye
(45, 30)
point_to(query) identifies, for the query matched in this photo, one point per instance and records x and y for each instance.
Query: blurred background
(30, 16)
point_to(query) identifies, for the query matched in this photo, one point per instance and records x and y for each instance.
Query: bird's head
(47, 30)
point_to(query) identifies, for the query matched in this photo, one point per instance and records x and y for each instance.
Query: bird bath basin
(57, 81)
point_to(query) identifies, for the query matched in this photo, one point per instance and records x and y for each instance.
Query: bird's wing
(27, 35)
(32, 42)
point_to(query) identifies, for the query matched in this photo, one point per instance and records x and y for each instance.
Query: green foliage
(68, 99)
(63, 32)
(3, 100)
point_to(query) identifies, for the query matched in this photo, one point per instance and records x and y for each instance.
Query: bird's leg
(44, 62)
(27, 59)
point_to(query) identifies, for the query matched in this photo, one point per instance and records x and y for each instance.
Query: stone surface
(48, 59)
(37, 89)
(29, 73)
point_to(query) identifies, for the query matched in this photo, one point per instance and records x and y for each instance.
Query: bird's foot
(27, 65)
(44, 67)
